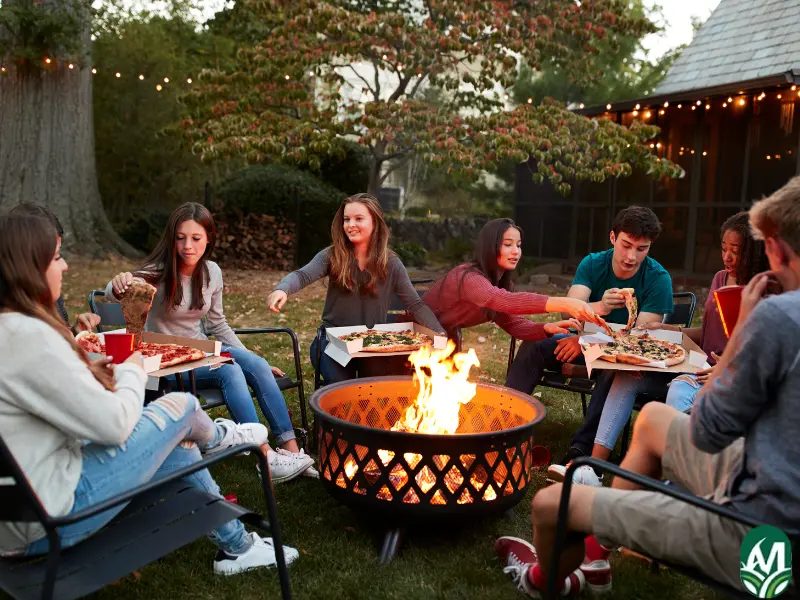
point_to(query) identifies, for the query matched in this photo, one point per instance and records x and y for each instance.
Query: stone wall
(433, 235)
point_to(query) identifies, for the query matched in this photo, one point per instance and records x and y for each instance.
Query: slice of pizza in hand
(136, 302)
(91, 342)
(633, 307)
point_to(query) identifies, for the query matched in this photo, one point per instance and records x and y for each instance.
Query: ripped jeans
(165, 439)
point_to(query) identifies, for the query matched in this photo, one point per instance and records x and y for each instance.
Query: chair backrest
(110, 312)
(684, 304)
(18, 501)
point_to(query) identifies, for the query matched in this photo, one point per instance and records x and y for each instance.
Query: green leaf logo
(766, 562)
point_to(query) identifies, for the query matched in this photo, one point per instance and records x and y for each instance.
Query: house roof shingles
(742, 40)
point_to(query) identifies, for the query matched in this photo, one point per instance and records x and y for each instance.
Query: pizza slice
(91, 342)
(171, 354)
(633, 308)
(136, 302)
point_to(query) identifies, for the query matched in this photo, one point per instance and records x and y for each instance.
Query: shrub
(274, 190)
(417, 211)
(412, 255)
(349, 173)
(457, 250)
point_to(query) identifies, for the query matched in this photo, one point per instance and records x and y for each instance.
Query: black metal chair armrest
(647, 483)
(151, 485)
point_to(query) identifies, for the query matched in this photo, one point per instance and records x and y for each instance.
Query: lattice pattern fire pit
(484, 467)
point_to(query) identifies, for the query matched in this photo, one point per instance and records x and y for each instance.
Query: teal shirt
(652, 283)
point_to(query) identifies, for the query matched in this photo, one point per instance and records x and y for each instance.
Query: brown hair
(343, 261)
(778, 216)
(639, 222)
(27, 246)
(752, 259)
(162, 264)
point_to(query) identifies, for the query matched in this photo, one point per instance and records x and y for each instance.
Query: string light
(680, 105)
(647, 115)
(705, 153)
(636, 113)
(505, 97)
(311, 73)
(638, 106)
(794, 87)
(769, 157)
(384, 57)
(730, 99)
(71, 66)
(666, 104)
(652, 145)
(117, 75)
(608, 107)
(779, 96)
(530, 100)
(158, 87)
(658, 145)
(141, 77)
(189, 80)
(694, 108)
(662, 111)
(699, 103)
(724, 105)
(582, 105)
(741, 101)
(166, 79)
(94, 71)
(47, 61)
(708, 107)
(286, 77)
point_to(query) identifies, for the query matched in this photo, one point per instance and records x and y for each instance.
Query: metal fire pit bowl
(484, 468)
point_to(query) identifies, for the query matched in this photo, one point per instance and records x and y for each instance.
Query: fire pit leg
(391, 544)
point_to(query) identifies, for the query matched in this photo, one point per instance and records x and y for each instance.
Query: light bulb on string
(166, 79)
(708, 107)
(680, 105)
(794, 87)
(117, 75)
(94, 71)
(47, 61)
(608, 107)
(159, 88)
(724, 105)
(730, 99)
(582, 105)
(70, 66)
(141, 77)
(666, 104)
(662, 111)
(699, 103)
(189, 80)
(636, 113)
(638, 106)
(647, 115)
(741, 101)
(780, 96)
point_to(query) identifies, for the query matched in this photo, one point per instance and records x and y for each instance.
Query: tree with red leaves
(290, 98)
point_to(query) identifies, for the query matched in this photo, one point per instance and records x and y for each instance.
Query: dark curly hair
(752, 258)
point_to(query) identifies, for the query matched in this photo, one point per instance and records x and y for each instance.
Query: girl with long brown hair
(363, 274)
(189, 289)
(78, 428)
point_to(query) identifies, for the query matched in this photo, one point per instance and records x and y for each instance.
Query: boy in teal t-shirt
(598, 280)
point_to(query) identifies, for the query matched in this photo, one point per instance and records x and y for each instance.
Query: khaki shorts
(669, 529)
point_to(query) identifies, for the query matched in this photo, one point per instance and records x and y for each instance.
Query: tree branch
(353, 69)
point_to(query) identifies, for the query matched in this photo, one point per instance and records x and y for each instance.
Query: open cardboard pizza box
(211, 348)
(594, 337)
(343, 352)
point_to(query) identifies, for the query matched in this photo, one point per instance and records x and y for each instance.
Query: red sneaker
(597, 574)
(520, 559)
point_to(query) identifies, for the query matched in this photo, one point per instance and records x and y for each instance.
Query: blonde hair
(342, 262)
(778, 216)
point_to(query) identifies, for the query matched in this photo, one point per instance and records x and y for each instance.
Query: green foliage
(411, 254)
(417, 211)
(625, 72)
(143, 230)
(140, 165)
(348, 171)
(31, 31)
(457, 250)
(274, 190)
(286, 98)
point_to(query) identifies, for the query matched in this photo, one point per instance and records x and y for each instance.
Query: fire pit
(431, 447)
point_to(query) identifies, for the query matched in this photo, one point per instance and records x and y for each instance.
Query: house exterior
(726, 110)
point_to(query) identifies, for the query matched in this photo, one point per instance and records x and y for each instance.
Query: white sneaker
(286, 466)
(260, 554)
(237, 434)
(584, 475)
(310, 471)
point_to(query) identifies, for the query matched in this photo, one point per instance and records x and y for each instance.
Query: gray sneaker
(236, 434)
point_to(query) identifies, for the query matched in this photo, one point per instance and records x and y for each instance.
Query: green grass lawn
(338, 548)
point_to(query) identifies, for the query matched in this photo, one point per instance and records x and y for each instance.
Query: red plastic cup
(540, 456)
(232, 498)
(119, 346)
(728, 300)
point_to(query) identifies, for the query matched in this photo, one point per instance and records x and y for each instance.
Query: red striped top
(478, 298)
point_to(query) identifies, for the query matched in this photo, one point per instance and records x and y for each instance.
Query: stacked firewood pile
(254, 241)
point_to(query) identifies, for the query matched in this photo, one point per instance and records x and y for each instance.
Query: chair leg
(272, 515)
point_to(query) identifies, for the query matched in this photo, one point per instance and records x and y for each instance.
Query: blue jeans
(332, 372)
(233, 379)
(162, 441)
(626, 388)
(527, 369)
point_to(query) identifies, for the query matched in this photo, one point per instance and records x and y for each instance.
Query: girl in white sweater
(78, 428)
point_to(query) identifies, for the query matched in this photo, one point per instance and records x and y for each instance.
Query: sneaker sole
(291, 476)
(229, 572)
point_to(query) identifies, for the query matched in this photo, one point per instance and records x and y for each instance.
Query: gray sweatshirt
(186, 322)
(757, 396)
(345, 309)
(49, 401)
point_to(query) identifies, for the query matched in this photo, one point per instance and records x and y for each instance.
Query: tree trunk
(47, 154)
(375, 169)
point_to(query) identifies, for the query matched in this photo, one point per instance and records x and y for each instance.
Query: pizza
(171, 354)
(90, 342)
(633, 308)
(389, 341)
(641, 350)
(136, 302)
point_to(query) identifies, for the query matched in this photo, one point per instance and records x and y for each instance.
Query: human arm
(530, 331)
(216, 323)
(297, 280)
(53, 383)
(404, 289)
(757, 356)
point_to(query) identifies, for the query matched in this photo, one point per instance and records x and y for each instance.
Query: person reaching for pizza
(189, 288)
(363, 275)
(78, 428)
(483, 290)
(743, 257)
(599, 280)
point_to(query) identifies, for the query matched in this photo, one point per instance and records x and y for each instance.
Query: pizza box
(152, 363)
(343, 352)
(593, 337)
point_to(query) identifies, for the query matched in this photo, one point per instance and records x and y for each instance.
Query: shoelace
(517, 572)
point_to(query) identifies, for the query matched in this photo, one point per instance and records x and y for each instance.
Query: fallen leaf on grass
(350, 529)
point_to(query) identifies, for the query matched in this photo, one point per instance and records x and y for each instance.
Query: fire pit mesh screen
(364, 458)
